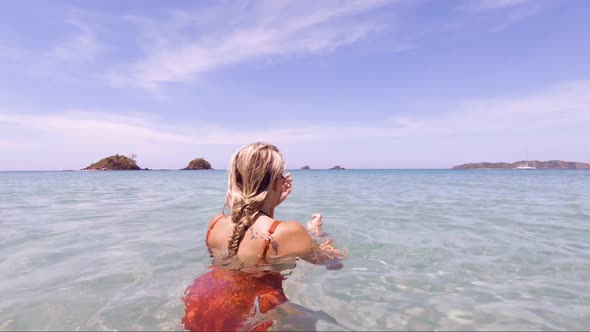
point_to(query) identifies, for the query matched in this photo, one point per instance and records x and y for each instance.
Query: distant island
(114, 163)
(305, 168)
(197, 164)
(337, 167)
(550, 164)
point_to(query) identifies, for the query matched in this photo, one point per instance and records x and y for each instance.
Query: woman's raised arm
(314, 246)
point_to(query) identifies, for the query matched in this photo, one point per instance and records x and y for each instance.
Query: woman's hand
(287, 187)
(315, 225)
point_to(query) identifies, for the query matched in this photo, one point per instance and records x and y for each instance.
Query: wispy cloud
(487, 5)
(271, 29)
(71, 55)
(183, 45)
(79, 46)
(557, 107)
(507, 12)
(10, 144)
(93, 127)
(10, 54)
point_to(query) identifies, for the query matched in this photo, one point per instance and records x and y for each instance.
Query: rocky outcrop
(305, 168)
(484, 165)
(198, 164)
(550, 164)
(114, 163)
(337, 167)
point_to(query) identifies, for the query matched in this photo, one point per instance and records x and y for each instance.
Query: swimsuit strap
(211, 227)
(267, 241)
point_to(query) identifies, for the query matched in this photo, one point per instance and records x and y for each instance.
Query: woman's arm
(314, 246)
(326, 248)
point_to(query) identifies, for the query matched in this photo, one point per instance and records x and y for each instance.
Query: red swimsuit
(230, 300)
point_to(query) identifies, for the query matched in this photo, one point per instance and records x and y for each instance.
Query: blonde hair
(253, 169)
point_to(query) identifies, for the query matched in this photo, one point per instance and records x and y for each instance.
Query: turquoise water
(429, 249)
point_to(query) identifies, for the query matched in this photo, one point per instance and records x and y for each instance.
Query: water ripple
(445, 250)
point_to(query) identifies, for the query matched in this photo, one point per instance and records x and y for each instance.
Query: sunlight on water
(447, 250)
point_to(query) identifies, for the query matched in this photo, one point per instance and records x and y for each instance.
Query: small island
(305, 168)
(337, 168)
(197, 164)
(526, 164)
(114, 163)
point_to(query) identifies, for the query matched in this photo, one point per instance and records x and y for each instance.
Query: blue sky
(361, 84)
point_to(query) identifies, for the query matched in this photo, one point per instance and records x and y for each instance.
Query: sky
(360, 84)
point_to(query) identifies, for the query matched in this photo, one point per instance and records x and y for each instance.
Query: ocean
(428, 249)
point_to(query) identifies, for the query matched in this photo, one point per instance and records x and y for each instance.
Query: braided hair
(253, 169)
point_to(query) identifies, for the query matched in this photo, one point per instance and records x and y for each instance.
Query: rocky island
(337, 168)
(528, 164)
(114, 163)
(305, 168)
(197, 164)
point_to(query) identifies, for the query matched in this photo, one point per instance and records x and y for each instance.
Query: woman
(249, 248)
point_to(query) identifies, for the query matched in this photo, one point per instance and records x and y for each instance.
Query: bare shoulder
(290, 228)
(216, 231)
(291, 231)
(293, 239)
(215, 219)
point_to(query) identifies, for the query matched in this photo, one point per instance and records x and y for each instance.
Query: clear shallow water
(429, 249)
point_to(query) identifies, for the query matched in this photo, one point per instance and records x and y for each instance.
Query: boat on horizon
(525, 166)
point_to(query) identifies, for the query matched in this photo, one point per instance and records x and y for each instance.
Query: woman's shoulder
(293, 240)
(289, 227)
(292, 232)
(214, 221)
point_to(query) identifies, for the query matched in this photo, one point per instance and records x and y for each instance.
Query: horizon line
(300, 170)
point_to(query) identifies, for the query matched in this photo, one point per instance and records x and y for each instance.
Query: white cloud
(89, 127)
(80, 46)
(487, 5)
(69, 56)
(182, 45)
(562, 105)
(271, 29)
(554, 110)
(504, 12)
(10, 54)
(557, 108)
(10, 145)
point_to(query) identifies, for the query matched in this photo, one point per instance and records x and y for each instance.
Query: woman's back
(254, 246)
(264, 243)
